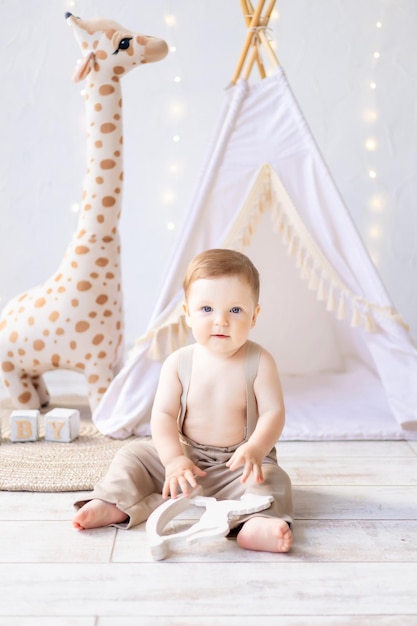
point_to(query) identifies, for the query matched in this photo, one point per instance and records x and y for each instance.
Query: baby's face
(221, 311)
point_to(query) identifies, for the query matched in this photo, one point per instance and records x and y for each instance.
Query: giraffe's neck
(102, 192)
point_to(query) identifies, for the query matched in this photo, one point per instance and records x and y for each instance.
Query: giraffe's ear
(83, 68)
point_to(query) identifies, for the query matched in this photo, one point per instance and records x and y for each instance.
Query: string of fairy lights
(372, 143)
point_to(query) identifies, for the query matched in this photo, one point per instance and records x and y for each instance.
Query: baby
(217, 415)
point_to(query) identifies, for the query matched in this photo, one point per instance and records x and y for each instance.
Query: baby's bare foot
(265, 534)
(97, 513)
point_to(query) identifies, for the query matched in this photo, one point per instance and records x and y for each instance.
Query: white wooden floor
(354, 559)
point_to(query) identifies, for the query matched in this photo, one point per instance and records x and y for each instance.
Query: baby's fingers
(170, 488)
(250, 468)
(234, 462)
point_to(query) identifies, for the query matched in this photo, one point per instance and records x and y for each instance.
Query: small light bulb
(168, 196)
(377, 203)
(374, 232)
(177, 109)
(173, 48)
(372, 85)
(372, 174)
(75, 207)
(275, 14)
(170, 226)
(170, 20)
(376, 55)
(176, 138)
(177, 79)
(371, 144)
(379, 24)
(370, 115)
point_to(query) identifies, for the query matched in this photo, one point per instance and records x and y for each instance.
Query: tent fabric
(264, 189)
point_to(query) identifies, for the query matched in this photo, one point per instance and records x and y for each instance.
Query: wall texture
(351, 66)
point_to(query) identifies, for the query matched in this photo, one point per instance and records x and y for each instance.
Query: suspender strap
(253, 356)
(185, 359)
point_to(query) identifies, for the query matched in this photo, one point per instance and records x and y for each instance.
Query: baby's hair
(222, 262)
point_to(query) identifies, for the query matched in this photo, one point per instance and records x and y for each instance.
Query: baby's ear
(255, 315)
(186, 313)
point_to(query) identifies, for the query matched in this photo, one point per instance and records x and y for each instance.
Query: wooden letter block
(24, 425)
(62, 425)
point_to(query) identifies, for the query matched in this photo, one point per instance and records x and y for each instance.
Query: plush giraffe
(74, 320)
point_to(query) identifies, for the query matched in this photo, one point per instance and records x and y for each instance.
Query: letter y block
(62, 425)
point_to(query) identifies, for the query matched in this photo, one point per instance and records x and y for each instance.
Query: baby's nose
(221, 319)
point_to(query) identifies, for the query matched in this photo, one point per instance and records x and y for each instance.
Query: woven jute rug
(50, 466)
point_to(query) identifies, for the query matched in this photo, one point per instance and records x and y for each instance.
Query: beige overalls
(136, 475)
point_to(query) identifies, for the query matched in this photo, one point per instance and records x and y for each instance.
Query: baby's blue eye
(206, 309)
(236, 309)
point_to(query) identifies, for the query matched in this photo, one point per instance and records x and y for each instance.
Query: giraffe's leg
(21, 390)
(97, 382)
(42, 389)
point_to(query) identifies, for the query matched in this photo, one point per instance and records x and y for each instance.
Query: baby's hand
(180, 472)
(249, 457)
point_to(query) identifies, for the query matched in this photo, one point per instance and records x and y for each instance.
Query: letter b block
(62, 425)
(24, 425)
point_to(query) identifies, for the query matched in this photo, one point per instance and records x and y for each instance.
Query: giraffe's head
(109, 48)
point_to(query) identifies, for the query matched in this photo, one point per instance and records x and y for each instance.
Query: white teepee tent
(348, 364)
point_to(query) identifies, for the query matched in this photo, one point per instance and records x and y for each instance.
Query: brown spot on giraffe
(108, 127)
(82, 326)
(25, 397)
(81, 250)
(106, 90)
(107, 164)
(84, 285)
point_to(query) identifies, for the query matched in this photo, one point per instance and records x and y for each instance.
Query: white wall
(326, 48)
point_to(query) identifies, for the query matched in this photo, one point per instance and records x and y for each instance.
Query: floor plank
(59, 620)
(355, 502)
(344, 449)
(314, 541)
(53, 542)
(18, 505)
(256, 620)
(339, 471)
(178, 589)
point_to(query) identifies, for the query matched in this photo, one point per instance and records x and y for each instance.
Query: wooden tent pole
(247, 10)
(253, 23)
(261, 34)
